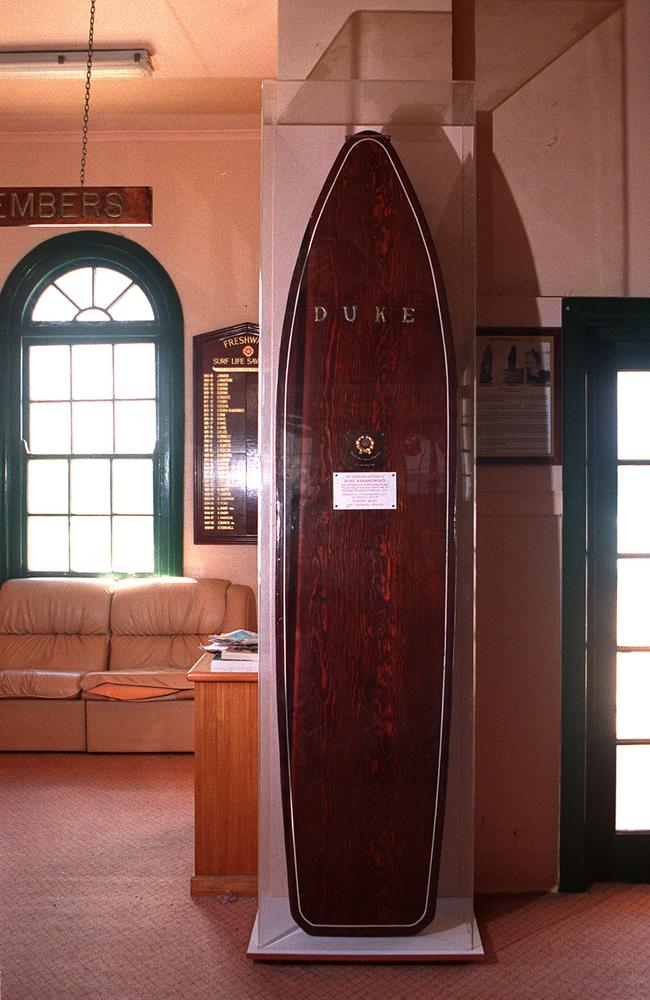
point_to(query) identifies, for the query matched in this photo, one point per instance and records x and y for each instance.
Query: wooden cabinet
(226, 780)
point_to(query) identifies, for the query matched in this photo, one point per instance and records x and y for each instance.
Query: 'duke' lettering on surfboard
(365, 555)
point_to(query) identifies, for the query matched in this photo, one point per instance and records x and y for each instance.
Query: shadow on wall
(497, 214)
(551, 193)
(389, 45)
(431, 151)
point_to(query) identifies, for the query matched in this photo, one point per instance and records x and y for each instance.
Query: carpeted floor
(95, 859)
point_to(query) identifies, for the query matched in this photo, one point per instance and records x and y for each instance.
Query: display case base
(452, 936)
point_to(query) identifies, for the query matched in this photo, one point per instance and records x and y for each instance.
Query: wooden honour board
(226, 364)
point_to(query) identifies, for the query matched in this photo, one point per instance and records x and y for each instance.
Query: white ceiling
(209, 57)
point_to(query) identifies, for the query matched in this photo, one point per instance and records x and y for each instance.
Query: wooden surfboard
(365, 554)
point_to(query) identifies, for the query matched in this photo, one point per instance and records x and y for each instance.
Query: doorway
(605, 823)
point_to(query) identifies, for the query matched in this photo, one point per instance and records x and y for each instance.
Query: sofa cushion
(54, 624)
(136, 652)
(55, 605)
(39, 684)
(172, 606)
(161, 623)
(137, 685)
(53, 652)
(115, 692)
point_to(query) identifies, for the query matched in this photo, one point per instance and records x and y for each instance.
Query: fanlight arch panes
(92, 295)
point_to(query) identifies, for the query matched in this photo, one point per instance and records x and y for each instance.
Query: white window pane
(132, 486)
(108, 285)
(135, 427)
(92, 316)
(135, 371)
(92, 428)
(633, 412)
(633, 600)
(49, 428)
(133, 545)
(47, 486)
(49, 372)
(133, 305)
(90, 486)
(633, 696)
(633, 523)
(47, 545)
(90, 544)
(78, 286)
(52, 306)
(92, 371)
(633, 788)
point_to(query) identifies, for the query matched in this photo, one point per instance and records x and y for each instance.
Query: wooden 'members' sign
(76, 206)
(225, 435)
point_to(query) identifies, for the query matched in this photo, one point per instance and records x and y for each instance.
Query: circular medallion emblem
(365, 444)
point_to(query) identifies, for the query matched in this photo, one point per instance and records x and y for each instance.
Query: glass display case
(431, 128)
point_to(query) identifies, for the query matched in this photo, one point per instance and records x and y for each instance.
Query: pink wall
(637, 121)
(518, 677)
(563, 175)
(205, 234)
(563, 170)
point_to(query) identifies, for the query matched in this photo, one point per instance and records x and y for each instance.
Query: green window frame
(38, 269)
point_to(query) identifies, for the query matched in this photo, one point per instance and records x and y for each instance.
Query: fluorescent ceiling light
(62, 63)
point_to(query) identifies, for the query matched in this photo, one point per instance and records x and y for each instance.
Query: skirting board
(453, 936)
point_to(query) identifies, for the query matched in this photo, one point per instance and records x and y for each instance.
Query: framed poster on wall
(518, 410)
(226, 364)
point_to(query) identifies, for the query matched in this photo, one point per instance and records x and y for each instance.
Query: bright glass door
(618, 584)
(632, 682)
(605, 824)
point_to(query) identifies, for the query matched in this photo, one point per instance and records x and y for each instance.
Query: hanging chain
(89, 70)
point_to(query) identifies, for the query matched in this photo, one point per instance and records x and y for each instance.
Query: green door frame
(586, 322)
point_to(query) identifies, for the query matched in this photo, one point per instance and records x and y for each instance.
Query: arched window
(92, 430)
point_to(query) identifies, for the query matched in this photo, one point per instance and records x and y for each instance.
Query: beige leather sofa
(98, 665)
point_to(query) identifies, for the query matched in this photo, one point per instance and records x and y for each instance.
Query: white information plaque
(365, 490)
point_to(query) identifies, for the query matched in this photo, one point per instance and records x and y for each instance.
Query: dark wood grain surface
(365, 597)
